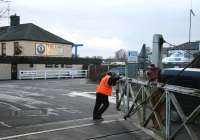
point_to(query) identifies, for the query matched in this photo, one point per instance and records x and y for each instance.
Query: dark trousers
(101, 105)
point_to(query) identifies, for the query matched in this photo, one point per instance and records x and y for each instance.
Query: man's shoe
(98, 119)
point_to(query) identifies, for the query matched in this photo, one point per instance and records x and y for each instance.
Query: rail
(168, 112)
(46, 74)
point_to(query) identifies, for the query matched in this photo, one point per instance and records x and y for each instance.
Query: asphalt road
(58, 110)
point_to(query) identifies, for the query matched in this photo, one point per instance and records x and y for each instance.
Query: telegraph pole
(7, 10)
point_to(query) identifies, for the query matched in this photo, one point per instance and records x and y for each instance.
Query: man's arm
(113, 80)
(110, 81)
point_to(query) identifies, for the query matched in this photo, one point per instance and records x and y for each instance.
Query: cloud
(105, 43)
(104, 46)
(95, 45)
(98, 46)
(104, 26)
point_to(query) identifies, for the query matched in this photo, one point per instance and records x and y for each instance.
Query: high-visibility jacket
(104, 87)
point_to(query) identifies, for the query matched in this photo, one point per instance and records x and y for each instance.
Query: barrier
(46, 74)
(158, 108)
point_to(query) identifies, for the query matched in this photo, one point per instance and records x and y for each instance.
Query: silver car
(179, 56)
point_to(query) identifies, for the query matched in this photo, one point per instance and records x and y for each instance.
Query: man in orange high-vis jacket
(102, 92)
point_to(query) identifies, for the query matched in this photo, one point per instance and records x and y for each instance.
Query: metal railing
(46, 74)
(160, 109)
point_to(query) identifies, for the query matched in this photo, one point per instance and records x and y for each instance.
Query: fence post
(59, 74)
(32, 76)
(128, 93)
(143, 109)
(45, 74)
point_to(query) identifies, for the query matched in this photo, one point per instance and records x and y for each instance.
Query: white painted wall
(29, 48)
(5, 71)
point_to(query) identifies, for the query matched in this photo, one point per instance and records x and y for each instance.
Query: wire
(2, 13)
(186, 50)
(169, 43)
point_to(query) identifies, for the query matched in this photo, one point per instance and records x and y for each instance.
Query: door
(14, 71)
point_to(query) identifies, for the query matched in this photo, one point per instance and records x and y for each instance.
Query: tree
(98, 57)
(121, 55)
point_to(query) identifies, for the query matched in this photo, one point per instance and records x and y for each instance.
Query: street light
(76, 48)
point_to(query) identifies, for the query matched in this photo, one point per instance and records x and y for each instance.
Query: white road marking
(11, 107)
(58, 129)
(70, 121)
(4, 124)
(68, 110)
(112, 99)
(18, 99)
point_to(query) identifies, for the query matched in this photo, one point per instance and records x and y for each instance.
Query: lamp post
(76, 48)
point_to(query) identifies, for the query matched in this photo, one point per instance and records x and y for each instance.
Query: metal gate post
(143, 110)
(128, 90)
(168, 117)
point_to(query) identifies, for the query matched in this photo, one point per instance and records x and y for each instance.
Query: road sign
(132, 56)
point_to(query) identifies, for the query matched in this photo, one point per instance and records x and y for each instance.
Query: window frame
(3, 49)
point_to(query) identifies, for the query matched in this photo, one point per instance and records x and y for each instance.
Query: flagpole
(190, 26)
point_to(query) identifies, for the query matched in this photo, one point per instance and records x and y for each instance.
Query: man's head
(151, 66)
(109, 73)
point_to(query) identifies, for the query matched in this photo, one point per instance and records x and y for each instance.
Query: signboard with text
(49, 49)
(132, 56)
(55, 50)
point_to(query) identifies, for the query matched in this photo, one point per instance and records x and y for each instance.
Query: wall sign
(49, 49)
(40, 49)
(132, 56)
(55, 50)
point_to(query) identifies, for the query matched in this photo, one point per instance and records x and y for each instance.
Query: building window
(17, 48)
(3, 49)
(49, 66)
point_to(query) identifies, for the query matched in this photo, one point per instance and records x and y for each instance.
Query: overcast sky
(105, 26)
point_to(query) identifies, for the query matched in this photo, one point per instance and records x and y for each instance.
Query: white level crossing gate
(159, 108)
(46, 74)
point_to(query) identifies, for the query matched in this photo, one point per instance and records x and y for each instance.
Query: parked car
(119, 70)
(179, 56)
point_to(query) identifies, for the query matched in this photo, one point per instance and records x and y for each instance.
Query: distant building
(21, 45)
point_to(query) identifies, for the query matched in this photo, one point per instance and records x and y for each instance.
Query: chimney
(14, 20)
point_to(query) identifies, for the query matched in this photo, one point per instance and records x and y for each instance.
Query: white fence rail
(46, 74)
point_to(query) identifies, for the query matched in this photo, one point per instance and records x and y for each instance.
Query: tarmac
(59, 110)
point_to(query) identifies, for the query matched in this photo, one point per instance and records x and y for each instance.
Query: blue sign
(132, 56)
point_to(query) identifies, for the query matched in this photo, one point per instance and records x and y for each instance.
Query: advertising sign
(49, 49)
(56, 50)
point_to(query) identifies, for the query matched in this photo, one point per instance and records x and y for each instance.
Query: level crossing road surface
(59, 109)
